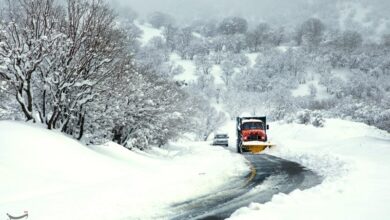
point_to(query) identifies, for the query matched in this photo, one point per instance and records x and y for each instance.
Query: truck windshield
(252, 125)
(221, 136)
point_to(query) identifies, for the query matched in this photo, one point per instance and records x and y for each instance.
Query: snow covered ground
(149, 32)
(54, 177)
(354, 159)
(188, 74)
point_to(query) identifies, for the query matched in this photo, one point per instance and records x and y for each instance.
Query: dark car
(221, 140)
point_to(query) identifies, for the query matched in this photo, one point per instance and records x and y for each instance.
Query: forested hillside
(310, 70)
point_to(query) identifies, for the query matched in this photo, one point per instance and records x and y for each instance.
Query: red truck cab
(252, 134)
(253, 130)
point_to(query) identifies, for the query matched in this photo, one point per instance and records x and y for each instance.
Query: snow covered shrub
(289, 118)
(317, 120)
(382, 121)
(310, 117)
(239, 60)
(139, 141)
(303, 117)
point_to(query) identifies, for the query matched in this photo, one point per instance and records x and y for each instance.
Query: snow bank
(353, 158)
(55, 177)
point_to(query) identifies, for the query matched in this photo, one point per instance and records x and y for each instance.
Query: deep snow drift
(354, 159)
(54, 177)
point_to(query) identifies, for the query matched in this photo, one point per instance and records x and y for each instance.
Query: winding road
(269, 175)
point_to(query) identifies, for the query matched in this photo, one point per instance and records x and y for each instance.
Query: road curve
(269, 175)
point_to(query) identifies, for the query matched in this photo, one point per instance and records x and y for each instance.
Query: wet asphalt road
(270, 175)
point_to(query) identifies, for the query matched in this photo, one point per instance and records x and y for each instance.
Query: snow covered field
(54, 177)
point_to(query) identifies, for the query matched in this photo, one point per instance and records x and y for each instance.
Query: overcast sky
(193, 9)
(273, 11)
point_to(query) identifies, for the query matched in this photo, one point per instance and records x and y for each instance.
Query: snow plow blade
(256, 147)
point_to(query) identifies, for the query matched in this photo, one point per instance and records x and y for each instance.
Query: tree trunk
(51, 122)
(44, 106)
(25, 110)
(81, 121)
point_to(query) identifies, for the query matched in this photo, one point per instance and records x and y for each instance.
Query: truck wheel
(239, 149)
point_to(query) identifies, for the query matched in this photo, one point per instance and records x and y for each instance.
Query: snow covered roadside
(354, 159)
(54, 177)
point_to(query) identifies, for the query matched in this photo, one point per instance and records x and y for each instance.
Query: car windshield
(221, 136)
(252, 125)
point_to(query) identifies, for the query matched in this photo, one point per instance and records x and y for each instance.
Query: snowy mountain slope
(54, 177)
(188, 74)
(312, 86)
(148, 32)
(354, 159)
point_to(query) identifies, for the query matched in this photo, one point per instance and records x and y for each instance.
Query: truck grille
(253, 138)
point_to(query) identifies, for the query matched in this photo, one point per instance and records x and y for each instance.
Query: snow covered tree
(132, 33)
(197, 47)
(151, 57)
(205, 28)
(218, 44)
(235, 43)
(228, 69)
(218, 57)
(349, 41)
(310, 33)
(145, 110)
(203, 65)
(205, 81)
(182, 40)
(293, 64)
(61, 65)
(233, 25)
(207, 119)
(258, 37)
(29, 35)
(169, 33)
(88, 57)
(278, 36)
(9, 109)
(239, 60)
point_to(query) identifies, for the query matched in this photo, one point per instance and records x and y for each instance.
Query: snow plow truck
(252, 134)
